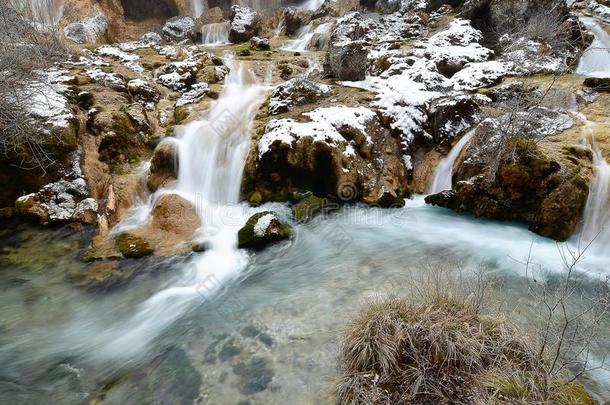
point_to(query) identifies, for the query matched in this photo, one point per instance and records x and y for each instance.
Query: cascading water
(304, 37)
(212, 153)
(311, 5)
(197, 8)
(595, 61)
(46, 13)
(215, 34)
(596, 218)
(444, 171)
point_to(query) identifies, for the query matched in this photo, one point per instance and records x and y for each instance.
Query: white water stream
(215, 34)
(595, 61)
(197, 8)
(443, 173)
(596, 217)
(212, 153)
(304, 37)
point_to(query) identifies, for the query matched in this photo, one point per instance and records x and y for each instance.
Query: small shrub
(442, 350)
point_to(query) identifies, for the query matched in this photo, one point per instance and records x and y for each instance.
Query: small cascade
(212, 153)
(443, 174)
(304, 37)
(596, 218)
(197, 8)
(215, 34)
(280, 27)
(595, 61)
(311, 5)
(46, 13)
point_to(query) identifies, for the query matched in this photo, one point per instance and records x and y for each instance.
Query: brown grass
(442, 350)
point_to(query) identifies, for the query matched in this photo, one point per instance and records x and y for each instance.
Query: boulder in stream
(262, 229)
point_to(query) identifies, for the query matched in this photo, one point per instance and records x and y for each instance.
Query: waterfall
(311, 5)
(596, 217)
(197, 8)
(304, 36)
(212, 153)
(215, 34)
(595, 61)
(46, 13)
(444, 171)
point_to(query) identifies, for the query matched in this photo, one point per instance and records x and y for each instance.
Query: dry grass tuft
(439, 351)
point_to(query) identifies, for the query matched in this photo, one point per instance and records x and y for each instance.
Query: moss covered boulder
(132, 246)
(310, 206)
(262, 229)
(521, 182)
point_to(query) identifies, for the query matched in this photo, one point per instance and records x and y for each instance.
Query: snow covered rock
(180, 28)
(346, 58)
(260, 44)
(89, 30)
(143, 91)
(450, 116)
(245, 24)
(297, 91)
(600, 10)
(182, 75)
(262, 229)
(86, 211)
(56, 202)
(339, 151)
(151, 38)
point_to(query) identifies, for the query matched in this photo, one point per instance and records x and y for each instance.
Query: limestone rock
(245, 24)
(86, 211)
(297, 91)
(163, 165)
(341, 152)
(525, 184)
(346, 58)
(89, 30)
(448, 117)
(180, 28)
(143, 91)
(260, 44)
(176, 215)
(132, 246)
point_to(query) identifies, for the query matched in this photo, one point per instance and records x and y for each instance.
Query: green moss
(132, 246)
(571, 393)
(181, 113)
(248, 238)
(255, 199)
(308, 207)
(121, 124)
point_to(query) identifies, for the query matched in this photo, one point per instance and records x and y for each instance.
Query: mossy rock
(181, 113)
(132, 246)
(262, 229)
(255, 199)
(308, 207)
